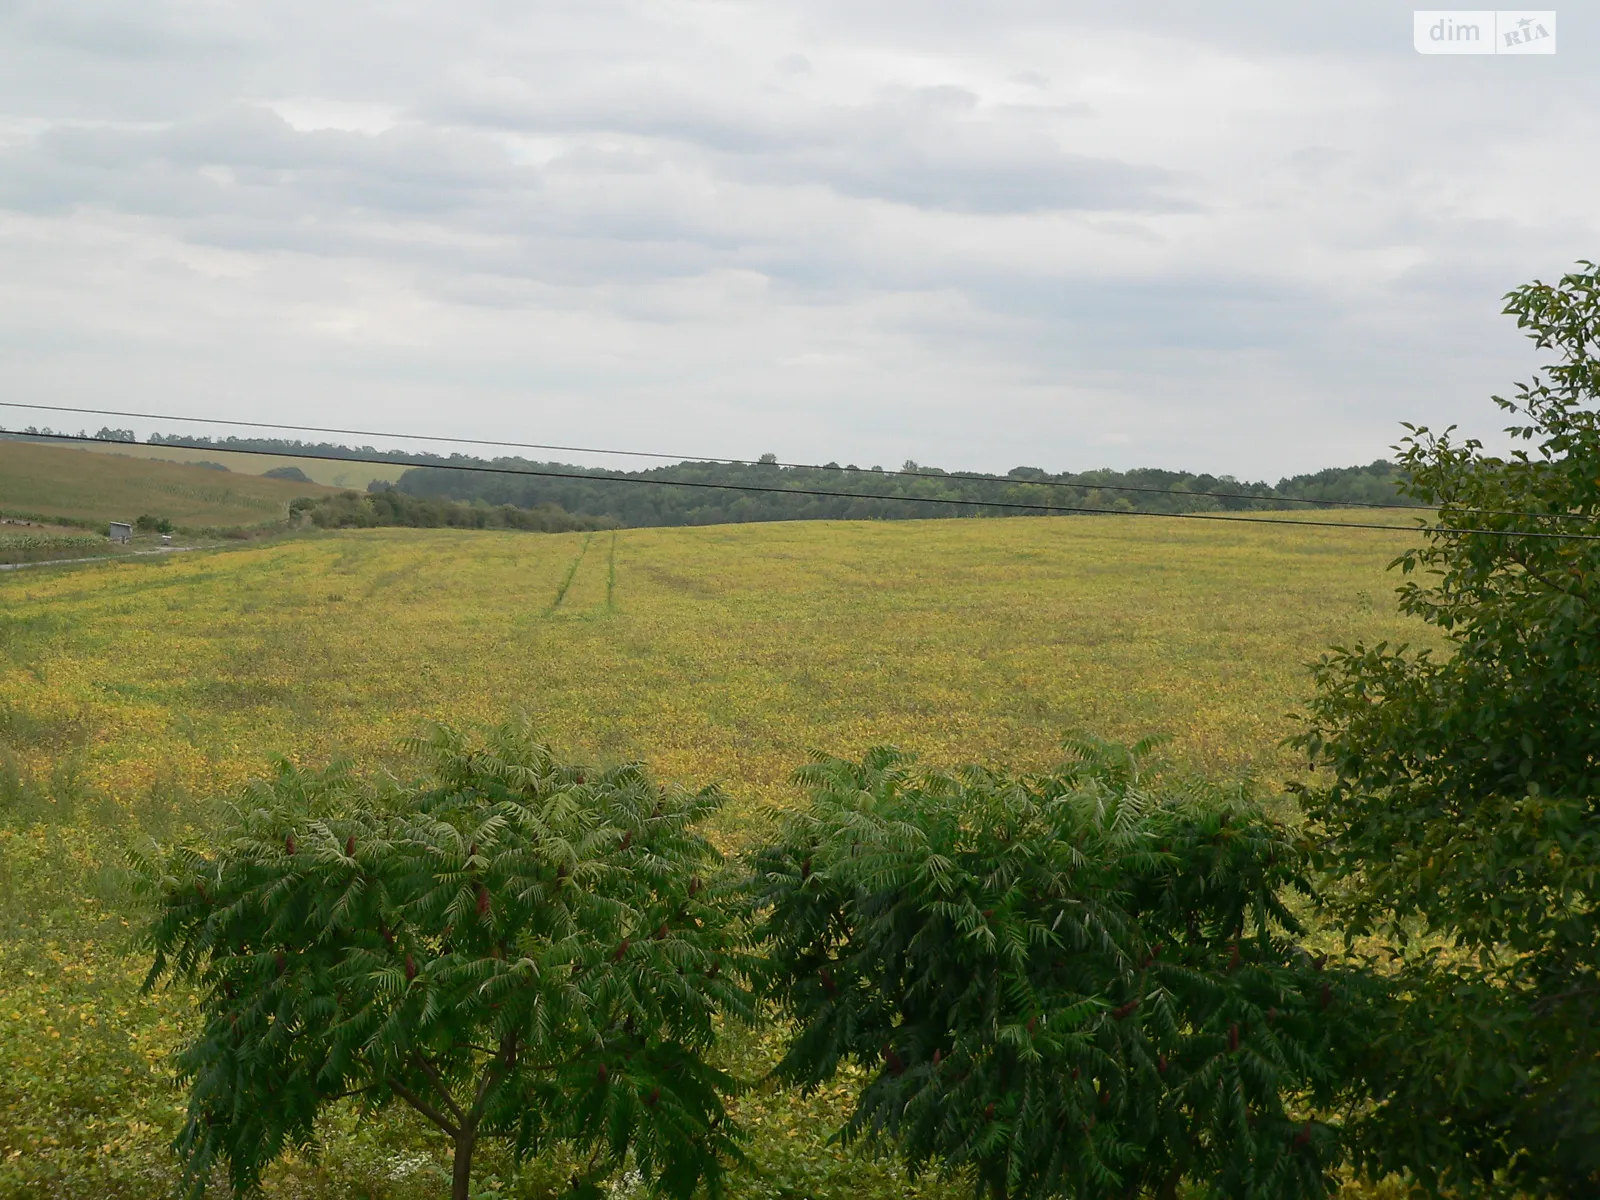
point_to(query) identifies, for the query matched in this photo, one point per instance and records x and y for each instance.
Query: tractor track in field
(572, 572)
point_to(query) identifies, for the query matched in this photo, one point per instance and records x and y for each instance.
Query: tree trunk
(461, 1181)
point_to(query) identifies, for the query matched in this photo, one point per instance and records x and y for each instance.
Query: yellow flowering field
(131, 691)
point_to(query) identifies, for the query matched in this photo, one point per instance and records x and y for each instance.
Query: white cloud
(1247, 239)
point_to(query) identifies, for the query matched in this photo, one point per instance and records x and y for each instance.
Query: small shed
(121, 532)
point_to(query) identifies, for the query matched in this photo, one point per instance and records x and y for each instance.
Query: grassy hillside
(331, 472)
(83, 485)
(129, 691)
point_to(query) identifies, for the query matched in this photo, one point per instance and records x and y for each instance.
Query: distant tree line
(885, 493)
(285, 446)
(355, 510)
(593, 493)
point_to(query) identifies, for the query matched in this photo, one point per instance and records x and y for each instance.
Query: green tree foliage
(582, 492)
(355, 510)
(879, 493)
(1084, 983)
(515, 948)
(1459, 794)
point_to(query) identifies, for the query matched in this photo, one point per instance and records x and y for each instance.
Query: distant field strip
(83, 485)
(32, 547)
(334, 472)
(220, 496)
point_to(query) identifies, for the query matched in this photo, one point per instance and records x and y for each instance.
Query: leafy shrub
(383, 507)
(1079, 984)
(515, 948)
(1459, 796)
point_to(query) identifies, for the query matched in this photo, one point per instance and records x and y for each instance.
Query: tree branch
(444, 1089)
(423, 1107)
(507, 1056)
(1546, 1002)
(1580, 596)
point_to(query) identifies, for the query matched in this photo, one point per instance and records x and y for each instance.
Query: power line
(784, 491)
(463, 441)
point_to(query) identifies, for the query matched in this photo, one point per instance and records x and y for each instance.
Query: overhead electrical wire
(509, 445)
(1015, 506)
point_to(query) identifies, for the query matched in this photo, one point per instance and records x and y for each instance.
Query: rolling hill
(331, 472)
(89, 487)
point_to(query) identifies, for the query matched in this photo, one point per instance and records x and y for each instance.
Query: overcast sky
(1246, 237)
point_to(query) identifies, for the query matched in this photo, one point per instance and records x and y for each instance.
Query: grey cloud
(930, 147)
(162, 172)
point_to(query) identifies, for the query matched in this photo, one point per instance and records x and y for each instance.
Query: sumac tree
(1081, 983)
(515, 948)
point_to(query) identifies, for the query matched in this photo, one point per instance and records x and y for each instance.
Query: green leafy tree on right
(1458, 801)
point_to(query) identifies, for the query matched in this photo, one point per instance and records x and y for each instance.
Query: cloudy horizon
(1250, 239)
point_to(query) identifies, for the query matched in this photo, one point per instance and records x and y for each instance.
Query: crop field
(81, 485)
(133, 691)
(23, 546)
(333, 472)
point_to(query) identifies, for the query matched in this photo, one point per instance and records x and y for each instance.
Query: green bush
(515, 948)
(1085, 983)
